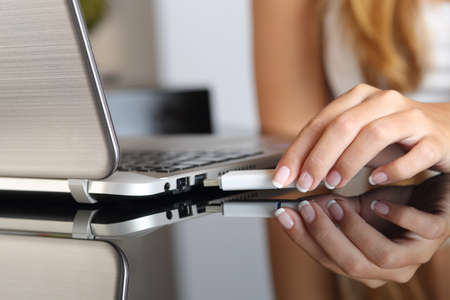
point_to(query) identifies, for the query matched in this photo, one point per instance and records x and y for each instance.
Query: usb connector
(250, 209)
(245, 180)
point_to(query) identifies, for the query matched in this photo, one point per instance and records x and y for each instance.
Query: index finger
(288, 167)
(426, 225)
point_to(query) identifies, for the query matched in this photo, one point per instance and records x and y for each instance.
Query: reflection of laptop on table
(56, 214)
(56, 134)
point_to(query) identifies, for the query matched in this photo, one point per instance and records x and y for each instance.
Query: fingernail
(332, 180)
(378, 178)
(280, 177)
(379, 207)
(335, 210)
(284, 218)
(306, 210)
(304, 182)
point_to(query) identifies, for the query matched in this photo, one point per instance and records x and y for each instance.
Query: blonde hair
(386, 36)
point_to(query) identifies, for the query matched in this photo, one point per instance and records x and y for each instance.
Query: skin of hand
(383, 235)
(355, 128)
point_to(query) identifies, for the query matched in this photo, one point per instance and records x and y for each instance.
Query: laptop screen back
(54, 122)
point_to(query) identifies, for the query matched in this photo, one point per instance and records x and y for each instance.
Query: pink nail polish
(284, 218)
(281, 176)
(335, 210)
(378, 178)
(379, 207)
(304, 182)
(332, 180)
(306, 211)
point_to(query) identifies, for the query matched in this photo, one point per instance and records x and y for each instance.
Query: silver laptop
(56, 133)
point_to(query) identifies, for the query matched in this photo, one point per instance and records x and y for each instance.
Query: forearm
(290, 81)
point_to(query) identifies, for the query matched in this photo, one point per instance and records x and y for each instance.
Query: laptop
(56, 132)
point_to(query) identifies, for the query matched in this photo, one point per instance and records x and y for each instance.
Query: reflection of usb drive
(250, 209)
(245, 180)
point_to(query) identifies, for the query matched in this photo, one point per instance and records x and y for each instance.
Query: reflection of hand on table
(382, 235)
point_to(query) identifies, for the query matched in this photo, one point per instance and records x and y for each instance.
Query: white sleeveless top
(342, 68)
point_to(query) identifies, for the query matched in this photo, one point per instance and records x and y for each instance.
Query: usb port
(183, 184)
(185, 211)
(201, 209)
(199, 179)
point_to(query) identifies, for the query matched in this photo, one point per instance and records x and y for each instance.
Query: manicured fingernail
(284, 218)
(332, 180)
(335, 210)
(379, 207)
(304, 182)
(281, 176)
(306, 210)
(378, 178)
(413, 236)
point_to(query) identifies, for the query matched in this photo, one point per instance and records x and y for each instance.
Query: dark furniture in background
(159, 111)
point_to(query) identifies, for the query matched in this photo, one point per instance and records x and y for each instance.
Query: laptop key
(184, 166)
(125, 169)
(201, 162)
(162, 170)
(141, 169)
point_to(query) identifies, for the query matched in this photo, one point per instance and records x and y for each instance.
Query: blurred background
(174, 45)
(182, 44)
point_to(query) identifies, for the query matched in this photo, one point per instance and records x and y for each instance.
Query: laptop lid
(54, 119)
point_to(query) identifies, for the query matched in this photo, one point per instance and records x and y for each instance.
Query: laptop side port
(201, 209)
(199, 179)
(184, 211)
(183, 184)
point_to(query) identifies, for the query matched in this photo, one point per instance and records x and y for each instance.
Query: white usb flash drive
(245, 180)
(250, 209)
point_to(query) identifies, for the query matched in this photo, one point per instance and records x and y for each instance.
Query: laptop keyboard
(166, 162)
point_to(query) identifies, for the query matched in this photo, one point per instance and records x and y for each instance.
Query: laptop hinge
(79, 190)
(82, 228)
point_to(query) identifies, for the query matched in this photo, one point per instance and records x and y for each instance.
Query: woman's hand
(355, 237)
(355, 128)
